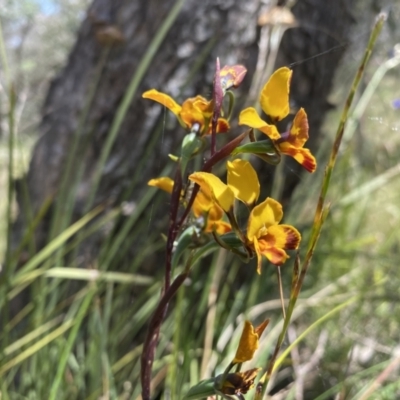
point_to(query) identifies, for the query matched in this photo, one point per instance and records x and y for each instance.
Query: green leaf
(264, 149)
(202, 390)
(232, 240)
(185, 240)
(190, 145)
(232, 243)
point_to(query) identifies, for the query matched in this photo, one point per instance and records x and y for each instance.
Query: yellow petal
(202, 204)
(205, 106)
(250, 117)
(264, 215)
(212, 185)
(274, 255)
(280, 236)
(302, 156)
(298, 133)
(163, 99)
(274, 97)
(248, 344)
(221, 227)
(163, 183)
(243, 180)
(215, 213)
(191, 113)
(222, 126)
(278, 239)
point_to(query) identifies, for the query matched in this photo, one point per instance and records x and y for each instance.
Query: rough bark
(228, 29)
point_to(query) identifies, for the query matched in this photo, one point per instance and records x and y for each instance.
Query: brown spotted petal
(237, 382)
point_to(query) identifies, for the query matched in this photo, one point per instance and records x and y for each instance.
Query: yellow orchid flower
(203, 207)
(242, 184)
(266, 237)
(264, 234)
(248, 343)
(194, 114)
(274, 100)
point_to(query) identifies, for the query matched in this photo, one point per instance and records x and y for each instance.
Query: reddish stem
(218, 96)
(149, 345)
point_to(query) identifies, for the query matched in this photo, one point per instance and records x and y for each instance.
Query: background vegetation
(77, 332)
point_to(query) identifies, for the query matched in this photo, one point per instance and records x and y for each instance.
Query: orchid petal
(192, 114)
(278, 238)
(221, 227)
(282, 236)
(250, 117)
(264, 215)
(275, 255)
(213, 186)
(248, 344)
(243, 180)
(302, 156)
(274, 97)
(163, 183)
(222, 126)
(298, 133)
(202, 104)
(163, 99)
(202, 204)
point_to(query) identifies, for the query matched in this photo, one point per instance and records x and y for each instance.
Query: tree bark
(203, 31)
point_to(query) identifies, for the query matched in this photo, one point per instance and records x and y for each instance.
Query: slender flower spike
(248, 343)
(274, 100)
(266, 237)
(194, 114)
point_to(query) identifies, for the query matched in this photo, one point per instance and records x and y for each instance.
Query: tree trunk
(113, 39)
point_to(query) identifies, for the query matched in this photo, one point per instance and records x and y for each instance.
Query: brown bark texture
(183, 66)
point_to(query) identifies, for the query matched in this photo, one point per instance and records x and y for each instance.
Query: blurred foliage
(38, 36)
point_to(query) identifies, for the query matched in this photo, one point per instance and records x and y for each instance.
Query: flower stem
(150, 343)
(218, 96)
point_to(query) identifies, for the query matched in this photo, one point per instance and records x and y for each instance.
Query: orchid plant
(209, 212)
(203, 209)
